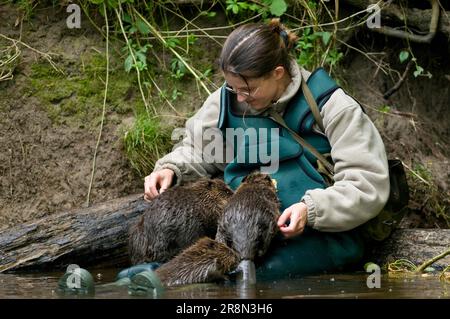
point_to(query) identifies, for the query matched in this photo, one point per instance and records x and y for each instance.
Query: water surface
(354, 286)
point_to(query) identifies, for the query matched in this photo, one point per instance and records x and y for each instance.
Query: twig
(158, 35)
(45, 55)
(415, 174)
(160, 92)
(366, 55)
(134, 61)
(104, 108)
(189, 22)
(390, 113)
(427, 263)
(407, 114)
(399, 82)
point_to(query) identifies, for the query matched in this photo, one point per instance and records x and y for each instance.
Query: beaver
(177, 218)
(249, 222)
(245, 231)
(205, 261)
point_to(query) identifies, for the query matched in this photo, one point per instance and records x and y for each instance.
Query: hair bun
(275, 25)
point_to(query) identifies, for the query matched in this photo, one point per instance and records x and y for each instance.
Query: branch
(399, 83)
(420, 19)
(415, 37)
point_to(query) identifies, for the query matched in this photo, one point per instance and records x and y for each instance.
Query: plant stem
(158, 35)
(135, 63)
(94, 162)
(427, 263)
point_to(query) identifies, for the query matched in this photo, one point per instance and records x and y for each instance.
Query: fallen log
(91, 236)
(416, 245)
(97, 236)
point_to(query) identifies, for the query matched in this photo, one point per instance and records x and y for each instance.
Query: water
(349, 286)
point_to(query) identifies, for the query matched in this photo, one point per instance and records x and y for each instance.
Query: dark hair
(253, 50)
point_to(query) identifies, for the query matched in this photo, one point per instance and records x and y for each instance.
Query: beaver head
(249, 222)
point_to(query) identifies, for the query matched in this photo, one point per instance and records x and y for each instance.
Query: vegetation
(159, 47)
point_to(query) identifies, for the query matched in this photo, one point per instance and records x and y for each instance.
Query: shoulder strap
(312, 104)
(277, 118)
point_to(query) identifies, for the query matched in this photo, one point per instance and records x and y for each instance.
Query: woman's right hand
(159, 180)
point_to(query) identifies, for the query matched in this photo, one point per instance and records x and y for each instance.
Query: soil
(46, 165)
(46, 159)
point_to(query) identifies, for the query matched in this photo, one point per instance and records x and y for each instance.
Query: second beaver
(249, 222)
(176, 219)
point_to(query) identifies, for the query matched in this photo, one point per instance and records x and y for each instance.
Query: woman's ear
(279, 72)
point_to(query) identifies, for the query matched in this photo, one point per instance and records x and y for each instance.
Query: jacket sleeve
(361, 180)
(187, 158)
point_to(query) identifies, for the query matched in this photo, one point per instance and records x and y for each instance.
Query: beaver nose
(246, 273)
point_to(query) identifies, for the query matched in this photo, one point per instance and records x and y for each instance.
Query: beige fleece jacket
(361, 180)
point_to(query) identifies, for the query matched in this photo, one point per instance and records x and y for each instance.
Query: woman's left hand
(297, 214)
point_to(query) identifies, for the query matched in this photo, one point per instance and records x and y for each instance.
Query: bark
(92, 236)
(98, 236)
(415, 18)
(416, 245)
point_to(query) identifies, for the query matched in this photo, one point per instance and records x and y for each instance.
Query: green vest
(297, 166)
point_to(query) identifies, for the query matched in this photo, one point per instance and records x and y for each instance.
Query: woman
(318, 220)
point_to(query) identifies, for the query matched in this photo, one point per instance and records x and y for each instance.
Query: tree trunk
(92, 236)
(97, 236)
(416, 245)
(413, 17)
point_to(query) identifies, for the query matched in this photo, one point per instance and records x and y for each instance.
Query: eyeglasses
(243, 93)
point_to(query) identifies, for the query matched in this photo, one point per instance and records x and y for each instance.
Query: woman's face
(259, 93)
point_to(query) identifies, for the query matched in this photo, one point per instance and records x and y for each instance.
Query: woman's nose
(241, 98)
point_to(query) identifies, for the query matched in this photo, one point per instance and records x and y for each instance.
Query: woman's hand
(161, 180)
(297, 214)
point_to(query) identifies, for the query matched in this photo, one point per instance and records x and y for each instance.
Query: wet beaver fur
(205, 261)
(176, 219)
(245, 231)
(249, 222)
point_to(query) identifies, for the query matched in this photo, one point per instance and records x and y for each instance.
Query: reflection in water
(43, 285)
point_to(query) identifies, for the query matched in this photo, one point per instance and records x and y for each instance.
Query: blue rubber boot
(145, 283)
(133, 270)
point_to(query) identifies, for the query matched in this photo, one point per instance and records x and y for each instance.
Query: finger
(152, 183)
(165, 184)
(147, 192)
(282, 220)
(293, 227)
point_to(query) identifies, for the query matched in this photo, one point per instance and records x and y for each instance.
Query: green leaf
(126, 18)
(326, 36)
(113, 4)
(132, 30)
(128, 63)
(403, 56)
(141, 57)
(367, 265)
(278, 7)
(429, 269)
(142, 27)
(96, 1)
(385, 109)
(418, 71)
